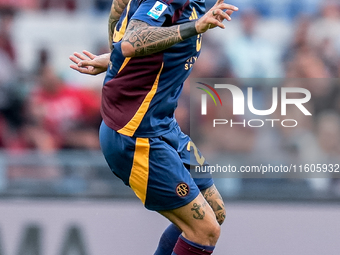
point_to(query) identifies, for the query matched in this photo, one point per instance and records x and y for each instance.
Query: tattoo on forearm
(147, 39)
(209, 192)
(199, 213)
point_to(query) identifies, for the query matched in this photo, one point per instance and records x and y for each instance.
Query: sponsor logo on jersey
(193, 15)
(157, 10)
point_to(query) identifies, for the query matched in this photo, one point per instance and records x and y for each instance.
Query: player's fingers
(229, 12)
(223, 5)
(74, 59)
(216, 23)
(84, 63)
(89, 54)
(218, 10)
(225, 16)
(80, 56)
(75, 67)
(82, 69)
(219, 13)
(219, 2)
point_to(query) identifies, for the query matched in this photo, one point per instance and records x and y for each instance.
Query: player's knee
(209, 233)
(213, 233)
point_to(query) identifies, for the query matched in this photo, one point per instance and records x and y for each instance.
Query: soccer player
(152, 42)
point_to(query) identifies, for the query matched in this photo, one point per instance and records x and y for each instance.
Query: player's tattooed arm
(117, 9)
(142, 39)
(214, 199)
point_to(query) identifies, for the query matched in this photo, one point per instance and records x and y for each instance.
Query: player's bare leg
(214, 199)
(198, 222)
(169, 237)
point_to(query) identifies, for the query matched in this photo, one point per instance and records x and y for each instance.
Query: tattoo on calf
(209, 192)
(220, 216)
(215, 201)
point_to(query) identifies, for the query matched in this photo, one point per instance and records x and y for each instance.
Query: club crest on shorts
(157, 10)
(182, 189)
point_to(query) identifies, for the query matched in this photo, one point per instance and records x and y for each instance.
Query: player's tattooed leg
(214, 199)
(198, 210)
(197, 220)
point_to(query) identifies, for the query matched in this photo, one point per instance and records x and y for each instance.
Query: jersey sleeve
(156, 12)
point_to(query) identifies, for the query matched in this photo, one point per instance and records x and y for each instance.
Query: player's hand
(88, 63)
(215, 16)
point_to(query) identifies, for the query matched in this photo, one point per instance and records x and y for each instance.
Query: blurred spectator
(19, 4)
(11, 117)
(328, 125)
(10, 92)
(7, 52)
(208, 65)
(60, 116)
(302, 58)
(323, 35)
(69, 5)
(327, 27)
(325, 150)
(250, 55)
(182, 110)
(102, 5)
(6, 24)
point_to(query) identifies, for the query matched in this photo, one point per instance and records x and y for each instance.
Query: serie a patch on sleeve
(157, 10)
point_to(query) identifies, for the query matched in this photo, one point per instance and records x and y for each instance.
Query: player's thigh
(170, 185)
(214, 199)
(192, 157)
(151, 167)
(197, 221)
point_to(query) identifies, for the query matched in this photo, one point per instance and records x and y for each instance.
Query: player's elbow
(127, 49)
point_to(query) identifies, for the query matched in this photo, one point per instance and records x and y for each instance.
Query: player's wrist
(187, 30)
(105, 57)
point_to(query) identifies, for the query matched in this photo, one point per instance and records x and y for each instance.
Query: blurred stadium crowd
(44, 108)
